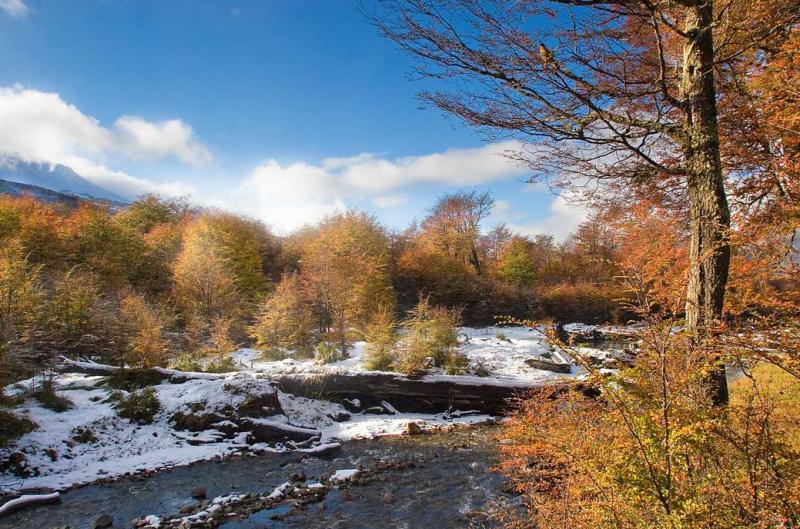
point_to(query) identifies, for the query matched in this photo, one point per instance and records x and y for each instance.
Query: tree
(455, 224)
(516, 264)
(205, 288)
(381, 338)
(286, 322)
(20, 299)
(345, 267)
(146, 345)
(619, 91)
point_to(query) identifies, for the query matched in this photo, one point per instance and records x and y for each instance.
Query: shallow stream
(450, 483)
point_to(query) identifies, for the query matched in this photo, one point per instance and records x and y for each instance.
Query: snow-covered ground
(120, 446)
(499, 352)
(60, 454)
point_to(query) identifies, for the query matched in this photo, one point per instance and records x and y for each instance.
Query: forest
(164, 283)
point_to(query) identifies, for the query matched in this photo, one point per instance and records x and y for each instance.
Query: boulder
(103, 521)
(269, 431)
(199, 493)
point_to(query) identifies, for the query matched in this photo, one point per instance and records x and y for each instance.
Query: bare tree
(600, 92)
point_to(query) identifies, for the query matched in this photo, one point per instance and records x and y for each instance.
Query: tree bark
(709, 213)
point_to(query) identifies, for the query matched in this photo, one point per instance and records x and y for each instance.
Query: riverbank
(443, 480)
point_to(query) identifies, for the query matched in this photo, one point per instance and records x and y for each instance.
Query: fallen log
(66, 365)
(427, 394)
(28, 500)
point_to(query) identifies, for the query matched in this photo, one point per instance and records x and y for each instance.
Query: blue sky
(282, 110)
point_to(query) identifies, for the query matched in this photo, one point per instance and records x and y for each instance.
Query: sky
(281, 110)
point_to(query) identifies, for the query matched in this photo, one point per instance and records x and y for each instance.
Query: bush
(327, 352)
(431, 340)
(586, 303)
(48, 398)
(381, 337)
(221, 365)
(133, 379)
(139, 406)
(653, 442)
(12, 426)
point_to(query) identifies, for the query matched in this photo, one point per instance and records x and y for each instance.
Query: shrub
(327, 352)
(650, 449)
(147, 346)
(48, 398)
(12, 426)
(286, 322)
(584, 302)
(187, 362)
(381, 337)
(139, 406)
(221, 365)
(133, 379)
(431, 340)
(480, 369)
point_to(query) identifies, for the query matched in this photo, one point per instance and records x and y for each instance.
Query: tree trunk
(709, 213)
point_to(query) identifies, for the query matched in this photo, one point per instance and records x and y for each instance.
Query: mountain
(16, 189)
(55, 177)
(42, 194)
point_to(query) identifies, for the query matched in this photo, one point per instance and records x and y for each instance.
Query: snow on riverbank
(497, 353)
(60, 457)
(89, 441)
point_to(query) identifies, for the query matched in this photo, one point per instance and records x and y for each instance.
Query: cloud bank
(40, 126)
(318, 190)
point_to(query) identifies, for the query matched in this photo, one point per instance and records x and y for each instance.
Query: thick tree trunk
(709, 213)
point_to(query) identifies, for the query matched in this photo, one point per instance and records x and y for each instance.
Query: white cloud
(455, 167)
(564, 216)
(314, 191)
(14, 8)
(147, 140)
(40, 126)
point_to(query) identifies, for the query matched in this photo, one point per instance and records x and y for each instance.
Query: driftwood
(424, 394)
(29, 500)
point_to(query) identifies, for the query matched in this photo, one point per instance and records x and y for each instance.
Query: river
(449, 484)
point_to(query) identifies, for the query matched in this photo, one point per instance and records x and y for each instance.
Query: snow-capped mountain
(55, 177)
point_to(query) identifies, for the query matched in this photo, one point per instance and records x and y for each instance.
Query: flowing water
(450, 482)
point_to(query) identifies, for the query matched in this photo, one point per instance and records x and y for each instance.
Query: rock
(298, 476)
(413, 428)
(376, 410)
(546, 365)
(186, 509)
(389, 496)
(199, 493)
(267, 431)
(103, 521)
(340, 416)
(352, 405)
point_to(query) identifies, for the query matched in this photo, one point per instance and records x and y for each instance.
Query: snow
(344, 475)
(124, 447)
(279, 490)
(500, 350)
(28, 499)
